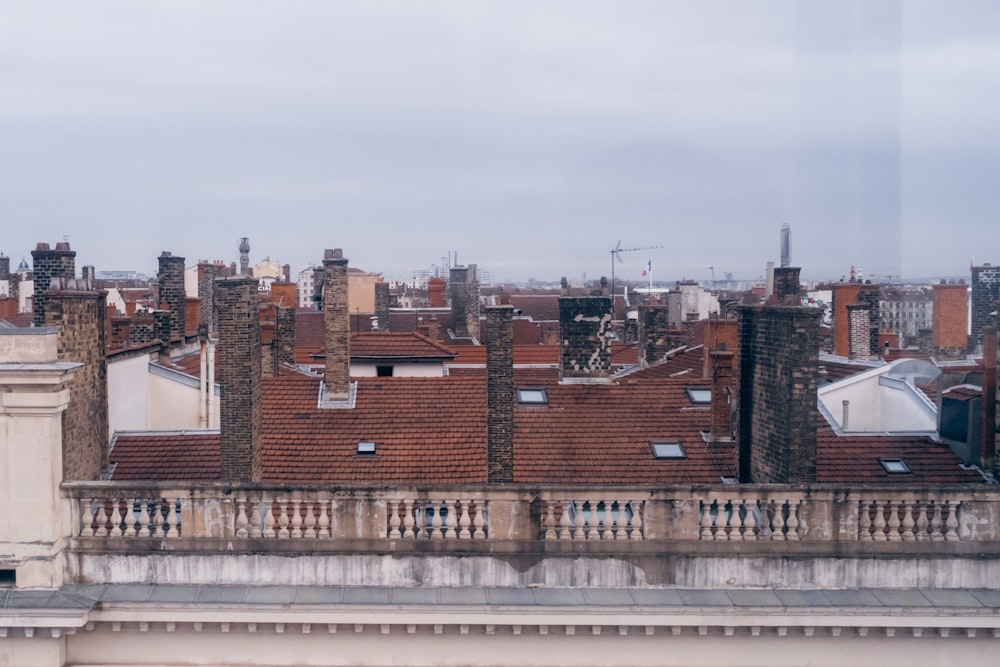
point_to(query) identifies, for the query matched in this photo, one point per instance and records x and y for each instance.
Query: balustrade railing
(112, 513)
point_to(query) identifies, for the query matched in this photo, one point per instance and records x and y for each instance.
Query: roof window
(699, 394)
(894, 466)
(366, 448)
(532, 396)
(667, 450)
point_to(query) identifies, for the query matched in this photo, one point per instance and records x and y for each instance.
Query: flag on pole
(648, 269)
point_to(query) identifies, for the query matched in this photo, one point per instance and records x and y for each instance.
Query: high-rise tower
(786, 246)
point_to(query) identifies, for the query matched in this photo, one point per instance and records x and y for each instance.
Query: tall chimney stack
(465, 301)
(239, 361)
(585, 338)
(500, 394)
(722, 389)
(382, 306)
(48, 264)
(171, 292)
(336, 318)
(989, 399)
(786, 246)
(949, 322)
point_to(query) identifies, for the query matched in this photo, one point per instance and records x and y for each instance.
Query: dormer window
(894, 466)
(532, 396)
(667, 450)
(699, 395)
(366, 448)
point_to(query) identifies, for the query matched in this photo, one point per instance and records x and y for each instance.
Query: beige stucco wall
(128, 393)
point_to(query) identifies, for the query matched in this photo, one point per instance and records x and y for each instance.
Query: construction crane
(616, 255)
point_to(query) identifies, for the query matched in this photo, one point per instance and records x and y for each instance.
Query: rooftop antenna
(616, 254)
(712, 269)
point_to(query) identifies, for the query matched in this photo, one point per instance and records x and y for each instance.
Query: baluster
(922, 522)
(936, 534)
(879, 523)
(87, 517)
(864, 521)
(268, 505)
(794, 522)
(725, 519)
(587, 521)
(394, 521)
(324, 520)
(614, 512)
(296, 517)
(778, 530)
(564, 521)
(436, 520)
(309, 508)
(102, 519)
(117, 518)
(706, 520)
(283, 532)
(156, 521)
(550, 521)
(636, 533)
(409, 520)
(908, 522)
(750, 523)
(952, 523)
(479, 520)
(893, 524)
(242, 521)
(131, 527)
(450, 519)
(173, 518)
(735, 533)
(145, 530)
(466, 521)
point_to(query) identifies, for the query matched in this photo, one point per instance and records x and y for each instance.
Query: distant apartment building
(306, 282)
(906, 312)
(690, 302)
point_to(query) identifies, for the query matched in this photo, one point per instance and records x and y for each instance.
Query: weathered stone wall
(776, 397)
(208, 273)
(985, 295)
(48, 264)
(500, 394)
(950, 320)
(464, 301)
(171, 293)
(585, 337)
(78, 312)
(654, 336)
(382, 306)
(858, 316)
(239, 377)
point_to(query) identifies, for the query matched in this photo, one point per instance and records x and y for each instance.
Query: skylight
(667, 450)
(699, 394)
(366, 448)
(894, 466)
(534, 396)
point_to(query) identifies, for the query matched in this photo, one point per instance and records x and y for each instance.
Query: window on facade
(667, 450)
(383, 371)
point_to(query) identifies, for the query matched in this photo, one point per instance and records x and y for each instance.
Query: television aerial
(616, 255)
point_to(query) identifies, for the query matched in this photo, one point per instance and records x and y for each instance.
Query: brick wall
(337, 323)
(47, 264)
(858, 317)
(720, 334)
(121, 331)
(722, 388)
(654, 336)
(985, 295)
(844, 294)
(285, 295)
(78, 312)
(208, 273)
(435, 293)
(950, 320)
(239, 377)
(284, 336)
(170, 281)
(192, 315)
(382, 306)
(776, 394)
(500, 394)
(142, 329)
(585, 337)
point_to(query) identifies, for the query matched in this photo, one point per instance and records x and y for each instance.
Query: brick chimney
(720, 334)
(46, 265)
(171, 293)
(142, 329)
(985, 289)
(4, 267)
(88, 273)
(208, 273)
(192, 315)
(336, 318)
(239, 378)
(285, 295)
(990, 432)
(284, 336)
(858, 317)
(585, 338)
(950, 320)
(382, 306)
(500, 394)
(435, 293)
(722, 390)
(79, 313)
(465, 301)
(776, 394)
(654, 339)
(787, 288)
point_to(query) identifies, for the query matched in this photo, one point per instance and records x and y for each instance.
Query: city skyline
(528, 139)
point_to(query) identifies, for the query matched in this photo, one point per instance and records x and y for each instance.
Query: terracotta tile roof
(963, 393)
(686, 363)
(537, 306)
(21, 320)
(852, 458)
(178, 455)
(838, 370)
(409, 344)
(408, 320)
(310, 331)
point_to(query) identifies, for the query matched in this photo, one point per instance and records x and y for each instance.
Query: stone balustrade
(115, 514)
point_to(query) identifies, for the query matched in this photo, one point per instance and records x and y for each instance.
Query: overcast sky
(528, 137)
